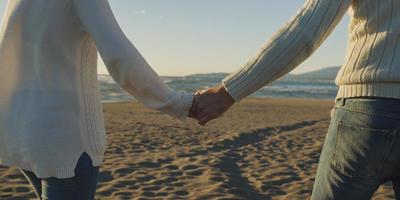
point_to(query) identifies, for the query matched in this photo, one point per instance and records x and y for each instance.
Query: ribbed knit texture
(50, 109)
(372, 66)
(92, 123)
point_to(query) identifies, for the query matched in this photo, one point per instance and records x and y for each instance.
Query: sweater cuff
(233, 88)
(186, 104)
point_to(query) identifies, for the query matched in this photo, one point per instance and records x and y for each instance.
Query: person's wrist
(222, 91)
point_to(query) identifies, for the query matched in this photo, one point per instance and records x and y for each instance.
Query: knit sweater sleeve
(289, 47)
(124, 62)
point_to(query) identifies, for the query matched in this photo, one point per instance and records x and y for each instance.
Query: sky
(182, 37)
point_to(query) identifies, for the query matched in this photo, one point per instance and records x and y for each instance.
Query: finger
(208, 117)
(204, 90)
(192, 115)
(193, 111)
(200, 91)
(201, 110)
(203, 121)
(202, 115)
(195, 104)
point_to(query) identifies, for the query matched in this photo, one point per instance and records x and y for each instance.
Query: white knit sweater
(372, 66)
(50, 110)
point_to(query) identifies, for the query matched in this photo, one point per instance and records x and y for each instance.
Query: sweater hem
(57, 172)
(187, 102)
(385, 90)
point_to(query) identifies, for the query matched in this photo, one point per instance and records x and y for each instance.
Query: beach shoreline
(247, 99)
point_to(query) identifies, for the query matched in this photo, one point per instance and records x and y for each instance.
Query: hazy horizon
(299, 73)
(180, 37)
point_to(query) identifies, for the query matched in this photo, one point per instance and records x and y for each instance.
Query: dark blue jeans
(80, 187)
(361, 150)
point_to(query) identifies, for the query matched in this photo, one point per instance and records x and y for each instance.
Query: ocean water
(286, 87)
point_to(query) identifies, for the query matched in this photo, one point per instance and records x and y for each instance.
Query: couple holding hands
(51, 120)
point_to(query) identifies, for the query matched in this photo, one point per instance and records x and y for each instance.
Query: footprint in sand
(181, 193)
(146, 178)
(149, 194)
(175, 174)
(151, 188)
(127, 194)
(133, 187)
(149, 164)
(197, 172)
(128, 182)
(178, 184)
(118, 185)
(6, 196)
(171, 167)
(237, 191)
(165, 181)
(124, 171)
(164, 161)
(217, 178)
(162, 194)
(22, 189)
(13, 176)
(169, 188)
(6, 190)
(190, 167)
(106, 193)
(105, 176)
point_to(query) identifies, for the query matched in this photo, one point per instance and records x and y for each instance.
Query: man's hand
(210, 103)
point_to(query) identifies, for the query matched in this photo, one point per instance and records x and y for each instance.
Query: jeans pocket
(361, 152)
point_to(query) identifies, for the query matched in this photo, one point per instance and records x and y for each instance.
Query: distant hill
(210, 75)
(328, 73)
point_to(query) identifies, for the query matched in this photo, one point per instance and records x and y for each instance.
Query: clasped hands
(209, 104)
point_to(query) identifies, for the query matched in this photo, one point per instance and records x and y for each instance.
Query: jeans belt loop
(343, 103)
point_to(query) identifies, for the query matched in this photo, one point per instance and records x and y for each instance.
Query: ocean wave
(321, 89)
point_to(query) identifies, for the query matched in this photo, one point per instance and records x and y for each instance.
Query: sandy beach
(260, 149)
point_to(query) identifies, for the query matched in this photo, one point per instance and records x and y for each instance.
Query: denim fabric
(361, 150)
(80, 187)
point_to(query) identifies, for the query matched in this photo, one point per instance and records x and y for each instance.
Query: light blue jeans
(361, 150)
(80, 187)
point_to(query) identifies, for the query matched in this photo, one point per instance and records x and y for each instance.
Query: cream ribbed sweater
(372, 66)
(50, 110)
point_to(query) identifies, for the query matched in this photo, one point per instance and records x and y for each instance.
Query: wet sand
(260, 149)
